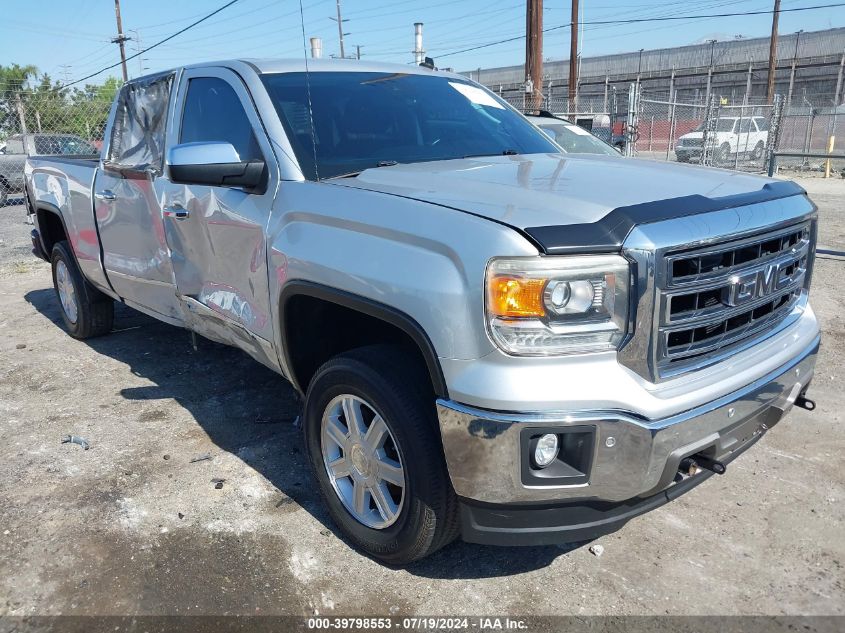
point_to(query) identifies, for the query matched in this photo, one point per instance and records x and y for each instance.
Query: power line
(149, 48)
(640, 20)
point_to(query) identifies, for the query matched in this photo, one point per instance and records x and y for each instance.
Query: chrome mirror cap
(202, 153)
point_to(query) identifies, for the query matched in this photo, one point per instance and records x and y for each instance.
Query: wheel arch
(51, 226)
(298, 292)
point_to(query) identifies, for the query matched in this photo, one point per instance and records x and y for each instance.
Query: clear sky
(70, 38)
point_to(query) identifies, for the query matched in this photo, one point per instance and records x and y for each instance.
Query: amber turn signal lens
(515, 296)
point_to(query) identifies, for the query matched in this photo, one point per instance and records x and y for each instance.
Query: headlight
(548, 306)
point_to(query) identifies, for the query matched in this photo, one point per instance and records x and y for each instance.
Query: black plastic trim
(371, 308)
(560, 472)
(251, 175)
(608, 234)
(564, 523)
(37, 247)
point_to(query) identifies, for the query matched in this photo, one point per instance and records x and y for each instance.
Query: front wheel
(721, 154)
(372, 438)
(86, 311)
(757, 153)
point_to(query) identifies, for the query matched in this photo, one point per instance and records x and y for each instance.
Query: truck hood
(549, 189)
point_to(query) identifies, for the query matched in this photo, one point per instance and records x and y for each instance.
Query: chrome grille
(718, 297)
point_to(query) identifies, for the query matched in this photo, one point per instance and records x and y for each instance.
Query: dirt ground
(133, 527)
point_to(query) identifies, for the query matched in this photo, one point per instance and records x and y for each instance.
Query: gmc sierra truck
(494, 339)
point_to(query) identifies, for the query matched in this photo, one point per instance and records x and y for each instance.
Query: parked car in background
(572, 138)
(733, 135)
(492, 339)
(18, 146)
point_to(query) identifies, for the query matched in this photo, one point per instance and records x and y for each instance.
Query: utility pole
(340, 32)
(358, 51)
(138, 49)
(66, 72)
(710, 71)
(792, 70)
(121, 39)
(773, 54)
(639, 68)
(534, 53)
(573, 56)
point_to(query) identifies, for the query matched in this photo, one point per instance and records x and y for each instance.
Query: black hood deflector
(608, 234)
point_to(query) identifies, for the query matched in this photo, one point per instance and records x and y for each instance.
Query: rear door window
(137, 137)
(214, 113)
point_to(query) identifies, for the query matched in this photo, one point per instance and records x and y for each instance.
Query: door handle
(177, 212)
(106, 195)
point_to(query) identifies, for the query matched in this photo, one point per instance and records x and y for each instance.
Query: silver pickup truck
(493, 338)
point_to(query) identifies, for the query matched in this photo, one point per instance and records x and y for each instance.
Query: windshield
(573, 138)
(367, 119)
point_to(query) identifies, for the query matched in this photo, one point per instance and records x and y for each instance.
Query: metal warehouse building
(809, 72)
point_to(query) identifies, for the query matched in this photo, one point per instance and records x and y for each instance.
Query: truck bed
(64, 183)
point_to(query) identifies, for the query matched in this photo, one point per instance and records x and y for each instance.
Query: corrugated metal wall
(830, 42)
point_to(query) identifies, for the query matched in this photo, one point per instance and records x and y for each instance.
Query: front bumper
(634, 472)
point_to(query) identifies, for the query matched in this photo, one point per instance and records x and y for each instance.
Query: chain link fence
(713, 134)
(46, 122)
(708, 131)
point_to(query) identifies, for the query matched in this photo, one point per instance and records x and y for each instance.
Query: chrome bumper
(483, 447)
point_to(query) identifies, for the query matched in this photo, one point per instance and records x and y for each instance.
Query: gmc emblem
(756, 285)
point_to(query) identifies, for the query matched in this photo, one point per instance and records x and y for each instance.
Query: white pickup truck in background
(747, 137)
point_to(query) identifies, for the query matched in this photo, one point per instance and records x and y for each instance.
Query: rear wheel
(86, 311)
(757, 152)
(373, 442)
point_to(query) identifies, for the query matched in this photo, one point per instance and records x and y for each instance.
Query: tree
(13, 81)
(29, 103)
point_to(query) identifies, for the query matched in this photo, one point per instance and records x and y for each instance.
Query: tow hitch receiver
(694, 463)
(805, 403)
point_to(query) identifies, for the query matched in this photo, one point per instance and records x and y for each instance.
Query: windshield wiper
(353, 174)
(504, 152)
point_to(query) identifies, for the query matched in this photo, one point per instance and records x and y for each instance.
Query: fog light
(546, 450)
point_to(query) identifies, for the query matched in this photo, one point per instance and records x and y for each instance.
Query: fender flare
(371, 308)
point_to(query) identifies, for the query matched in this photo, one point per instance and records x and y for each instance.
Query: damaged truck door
(216, 202)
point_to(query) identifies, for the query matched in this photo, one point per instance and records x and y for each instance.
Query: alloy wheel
(363, 461)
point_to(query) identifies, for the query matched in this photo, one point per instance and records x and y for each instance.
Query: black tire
(4, 194)
(757, 152)
(721, 154)
(399, 391)
(94, 310)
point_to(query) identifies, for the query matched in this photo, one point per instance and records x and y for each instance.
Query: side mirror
(216, 164)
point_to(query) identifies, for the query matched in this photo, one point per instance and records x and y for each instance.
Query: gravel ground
(132, 526)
